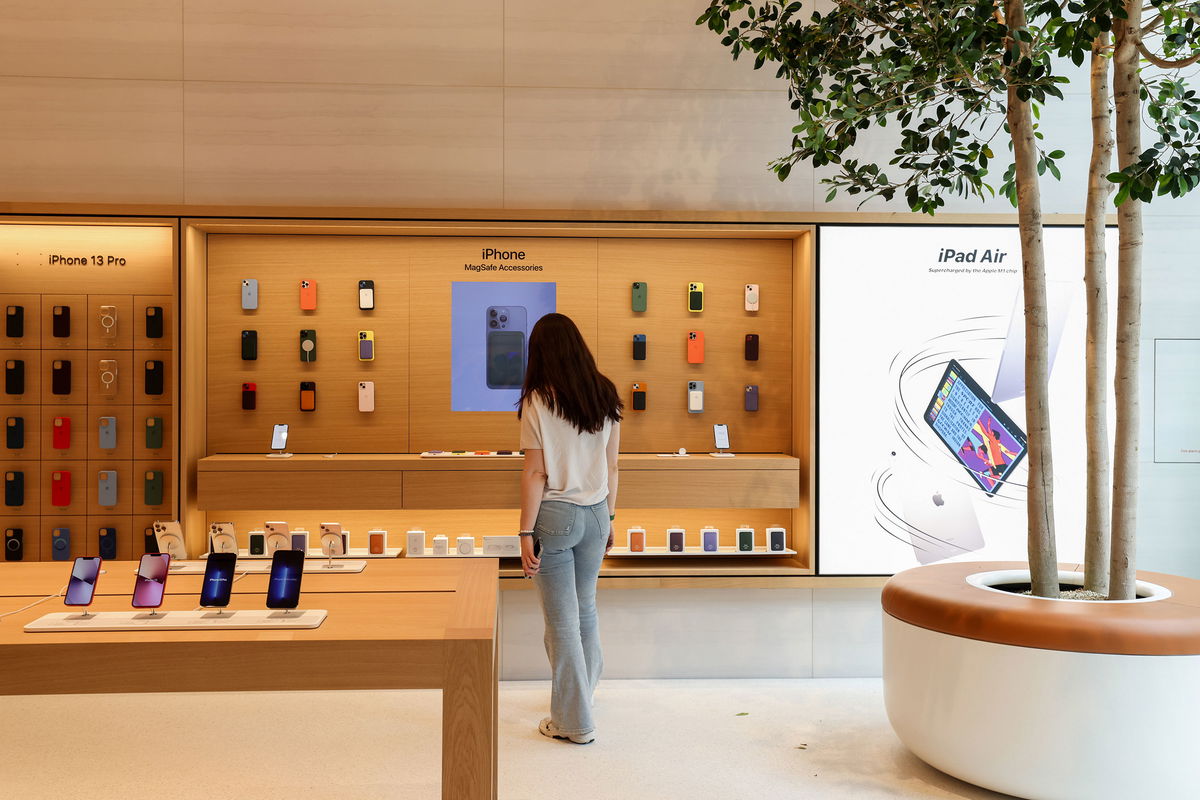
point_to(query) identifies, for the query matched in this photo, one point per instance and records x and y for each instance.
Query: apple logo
(937, 500)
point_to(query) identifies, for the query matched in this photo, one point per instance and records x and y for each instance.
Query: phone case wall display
(311, 332)
(85, 329)
(701, 347)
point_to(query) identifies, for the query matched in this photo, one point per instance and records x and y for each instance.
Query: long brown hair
(562, 374)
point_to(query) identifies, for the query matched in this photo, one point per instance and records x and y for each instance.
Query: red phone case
(60, 489)
(61, 437)
(695, 347)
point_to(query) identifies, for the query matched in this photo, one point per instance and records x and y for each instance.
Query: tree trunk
(1043, 556)
(1095, 280)
(1128, 104)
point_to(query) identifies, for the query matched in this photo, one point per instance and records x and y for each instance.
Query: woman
(570, 430)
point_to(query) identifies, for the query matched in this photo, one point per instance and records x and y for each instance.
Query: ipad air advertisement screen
(490, 324)
(921, 452)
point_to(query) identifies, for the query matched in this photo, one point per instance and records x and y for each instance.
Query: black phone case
(639, 400)
(14, 433)
(61, 326)
(14, 545)
(639, 349)
(249, 345)
(14, 322)
(149, 541)
(108, 544)
(752, 347)
(249, 399)
(154, 378)
(14, 489)
(14, 377)
(60, 378)
(154, 322)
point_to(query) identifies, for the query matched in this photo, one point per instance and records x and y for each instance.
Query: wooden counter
(398, 481)
(388, 628)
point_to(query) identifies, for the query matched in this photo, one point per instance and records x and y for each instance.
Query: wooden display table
(398, 625)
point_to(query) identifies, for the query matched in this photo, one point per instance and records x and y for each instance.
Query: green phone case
(154, 433)
(308, 345)
(640, 292)
(154, 488)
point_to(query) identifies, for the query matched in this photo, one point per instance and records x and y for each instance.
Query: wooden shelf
(399, 481)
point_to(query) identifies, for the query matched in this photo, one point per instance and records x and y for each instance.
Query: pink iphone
(151, 582)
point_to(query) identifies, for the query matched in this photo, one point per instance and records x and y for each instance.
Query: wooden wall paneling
(32, 360)
(336, 263)
(438, 262)
(31, 539)
(31, 305)
(346, 489)
(120, 337)
(724, 267)
(804, 390)
(32, 417)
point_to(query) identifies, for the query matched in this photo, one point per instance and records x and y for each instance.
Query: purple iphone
(82, 586)
(151, 581)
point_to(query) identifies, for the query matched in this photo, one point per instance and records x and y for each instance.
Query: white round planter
(1045, 724)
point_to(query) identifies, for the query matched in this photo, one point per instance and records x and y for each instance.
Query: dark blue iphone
(218, 580)
(287, 568)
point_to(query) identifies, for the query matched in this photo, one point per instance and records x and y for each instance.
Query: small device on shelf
(441, 545)
(222, 537)
(745, 539)
(676, 540)
(721, 441)
(637, 540)
(377, 542)
(416, 543)
(776, 539)
(169, 536)
(709, 539)
(465, 545)
(279, 437)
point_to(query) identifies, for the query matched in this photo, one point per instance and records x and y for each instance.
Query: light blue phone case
(108, 433)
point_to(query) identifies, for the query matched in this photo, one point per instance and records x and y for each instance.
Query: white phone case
(366, 395)
(695, 397)
(752, 297)
(466, 545)
(416, 543)
(278, 537)
(222, 537)
(169, 535)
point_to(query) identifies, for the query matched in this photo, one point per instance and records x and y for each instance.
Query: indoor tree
(956, 76)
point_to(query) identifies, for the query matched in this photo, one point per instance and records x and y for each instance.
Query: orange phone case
(637, 541)
(695, 347)
(308, 399)
(308, 295)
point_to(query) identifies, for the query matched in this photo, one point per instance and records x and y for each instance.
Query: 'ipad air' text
(985, 256)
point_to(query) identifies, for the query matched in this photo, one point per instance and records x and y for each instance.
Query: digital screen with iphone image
(151, 582)
(82, 586)
(981, 436)
(283, 588)
(218, 580)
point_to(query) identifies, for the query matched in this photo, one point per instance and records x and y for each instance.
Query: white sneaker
(548, 728)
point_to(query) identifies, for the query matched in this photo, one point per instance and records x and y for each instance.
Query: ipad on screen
(981, 436)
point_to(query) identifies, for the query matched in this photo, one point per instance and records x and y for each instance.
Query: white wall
(494, 104)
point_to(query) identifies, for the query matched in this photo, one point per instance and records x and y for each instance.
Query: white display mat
(264, 619)
(455, 554)
(622, 552)
(470, 454)
(262, 566)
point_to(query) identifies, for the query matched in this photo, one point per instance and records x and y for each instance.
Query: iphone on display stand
(279, 437)
(151, 582)
(366, 395)
(721, 441)
(218, 580)
(366, 295)
(81, 588)
(695, 397)
(277, 536)
(283, 587)
(752, 297)
(222, 538)
(168, 534)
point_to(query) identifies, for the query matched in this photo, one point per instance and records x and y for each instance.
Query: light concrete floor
(824, 739)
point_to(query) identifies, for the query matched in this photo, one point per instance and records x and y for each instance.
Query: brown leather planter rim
(938, 597)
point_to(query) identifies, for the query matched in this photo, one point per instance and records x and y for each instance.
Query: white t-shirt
(576, 463)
